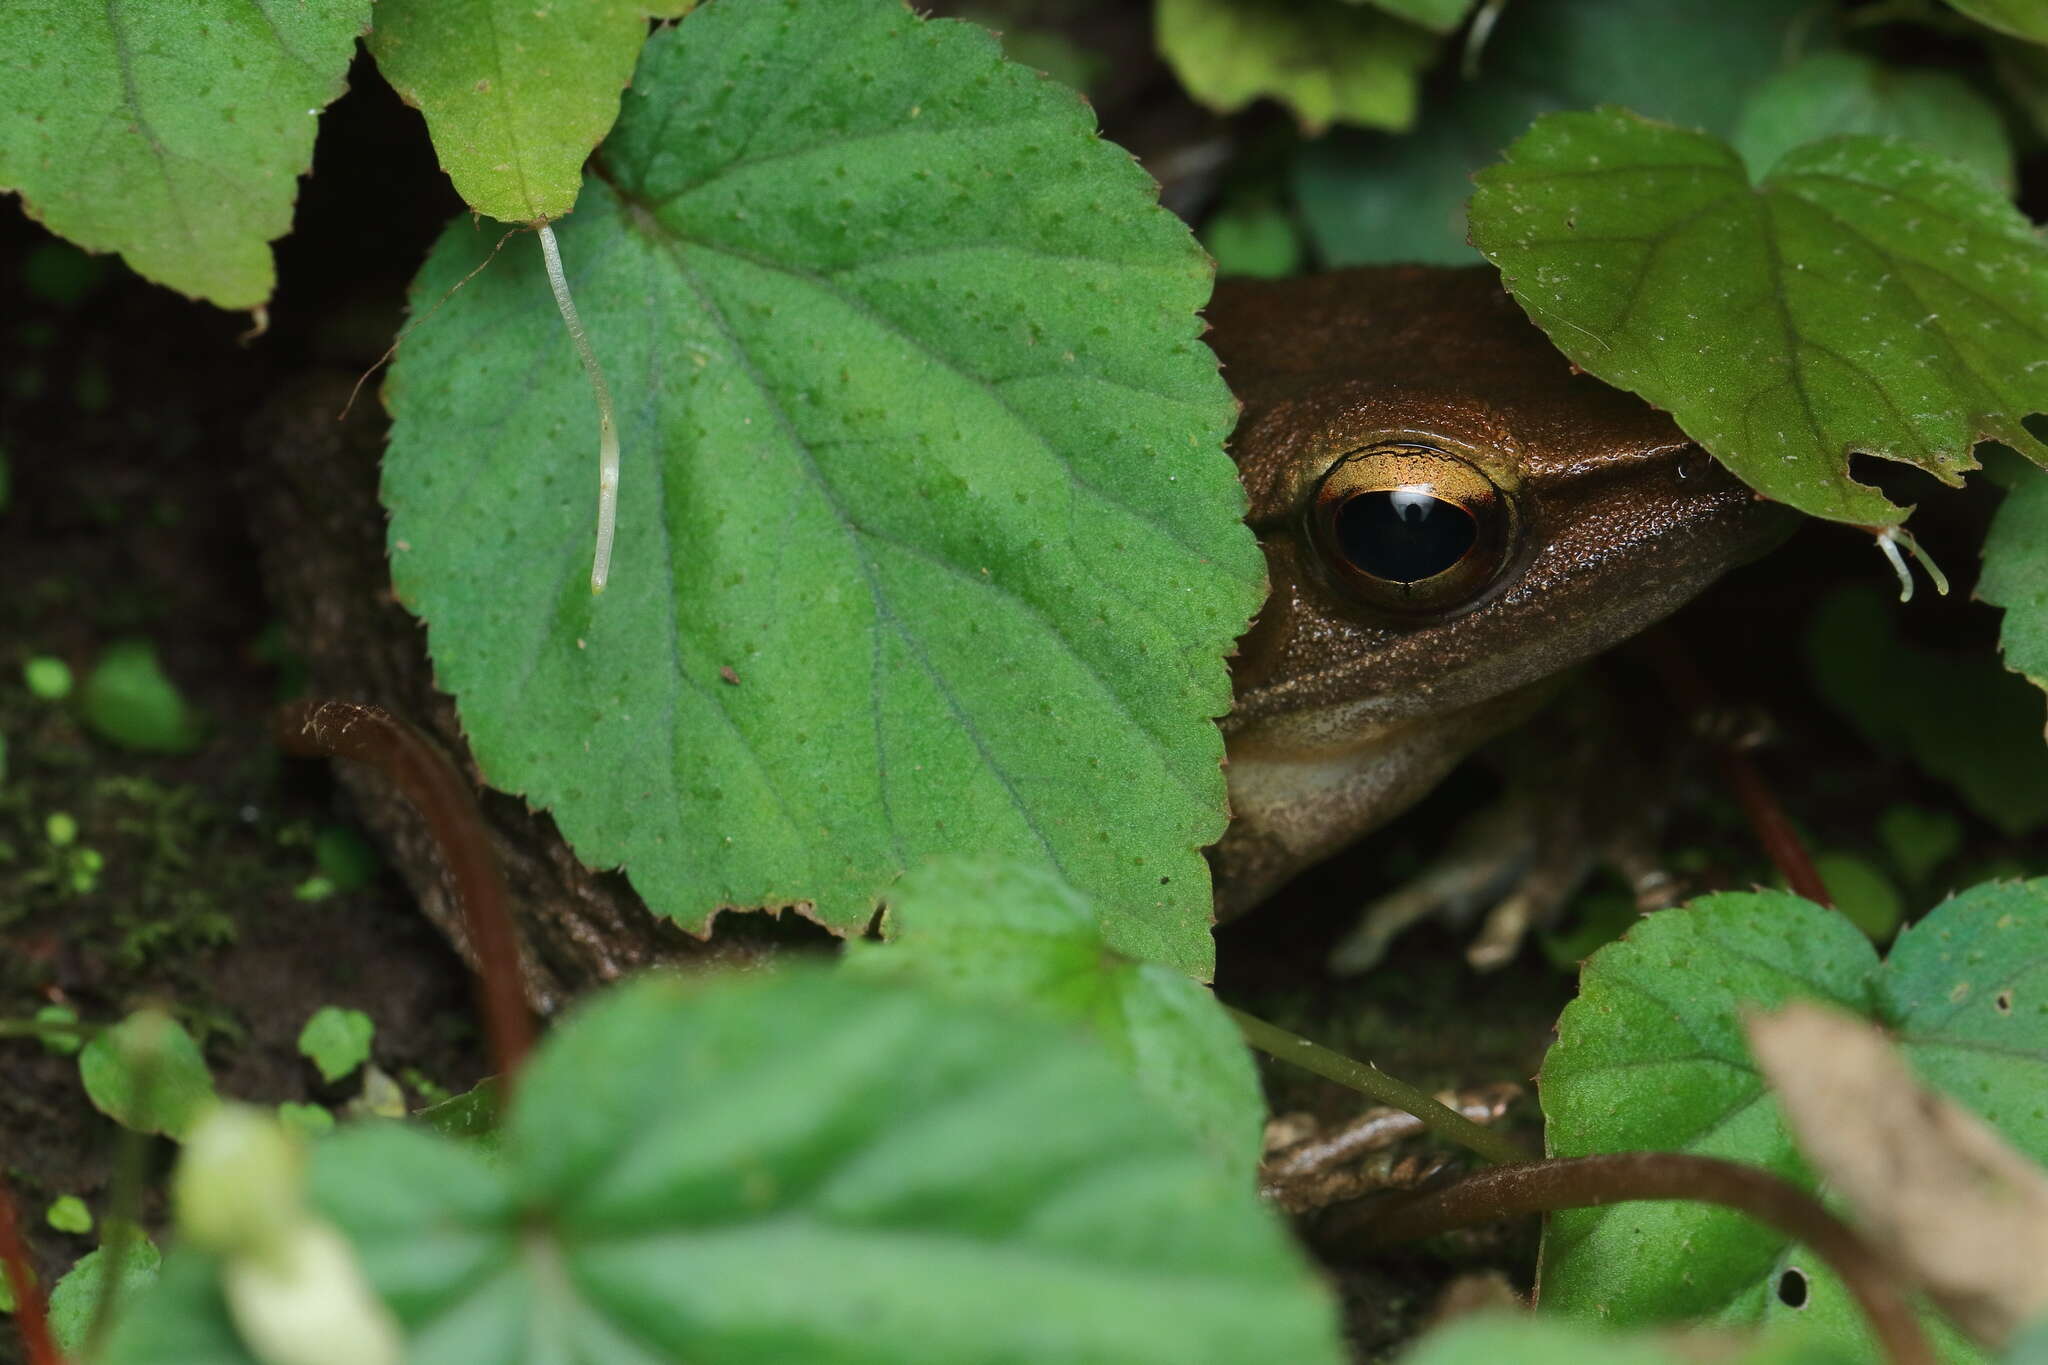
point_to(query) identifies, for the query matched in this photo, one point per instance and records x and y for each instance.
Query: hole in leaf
(2002, 1002)
(1792, 1288)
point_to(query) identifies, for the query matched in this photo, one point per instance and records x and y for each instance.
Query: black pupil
(1404, 534)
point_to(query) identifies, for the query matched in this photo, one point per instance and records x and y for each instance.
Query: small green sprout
(68, 1213)
(48, 679)
(337, 1040)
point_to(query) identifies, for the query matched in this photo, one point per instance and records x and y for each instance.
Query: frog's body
(1594, 517)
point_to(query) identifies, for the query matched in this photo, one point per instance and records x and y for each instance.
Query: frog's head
(1451, 516)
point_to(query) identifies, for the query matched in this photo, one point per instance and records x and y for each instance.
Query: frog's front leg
(1582, 792)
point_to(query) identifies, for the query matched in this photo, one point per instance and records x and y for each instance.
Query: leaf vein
(884, 614)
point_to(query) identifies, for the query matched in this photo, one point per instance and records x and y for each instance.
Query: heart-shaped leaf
(799, 1167)
(1865, 297)
(1652, 1056)
(147, 1074)
(927, 539)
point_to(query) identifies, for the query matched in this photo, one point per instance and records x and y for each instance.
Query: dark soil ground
(122, 411)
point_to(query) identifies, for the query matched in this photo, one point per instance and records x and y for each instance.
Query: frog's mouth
(1604, 557)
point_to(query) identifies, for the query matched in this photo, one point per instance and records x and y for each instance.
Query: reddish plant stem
(1621, 1177)
(370, 734)
(1773, 829)
(31, 1316)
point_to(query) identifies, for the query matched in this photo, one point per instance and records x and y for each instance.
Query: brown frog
(1452, 516)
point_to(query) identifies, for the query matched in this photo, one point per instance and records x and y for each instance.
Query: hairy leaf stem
(1369, 1080)
(607, 429)
(372, 735)
(1622, 1177)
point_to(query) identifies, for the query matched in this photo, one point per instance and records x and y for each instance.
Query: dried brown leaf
(1949, 1200)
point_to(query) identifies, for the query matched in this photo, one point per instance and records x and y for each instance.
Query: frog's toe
(1491, 856)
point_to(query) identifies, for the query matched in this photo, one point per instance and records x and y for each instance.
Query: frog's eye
(1407, 528)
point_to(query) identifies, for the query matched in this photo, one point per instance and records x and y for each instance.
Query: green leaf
(2021, 18)
(336, 1040)
(1328, 61)
(1255, 238)
(1369, 197)
(1836, 93)
(174, 139)
(1864, 298)
(1983, 738)
(47, 678)
(63, 1038)
(146, 1074)
(927, 539)
(798, 1166)
(345, 858)
(1009, 932)
(515, 92)
(129, 701)
(1963, 989)
(68, 1213)
(1651, 1055)
(2015, 577)
(75, 1299)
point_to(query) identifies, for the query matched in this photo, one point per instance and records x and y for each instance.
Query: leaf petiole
(443, 796)
(1446, 1122)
